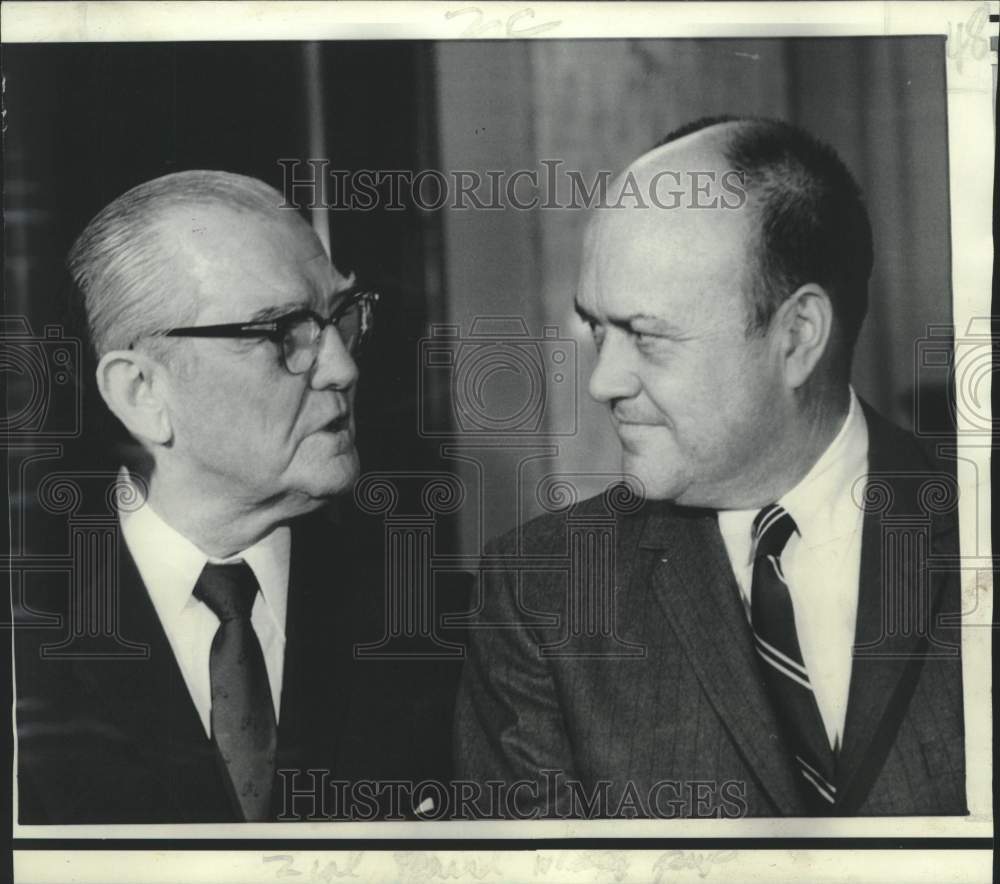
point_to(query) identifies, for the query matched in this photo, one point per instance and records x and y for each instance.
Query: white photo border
(970, 102)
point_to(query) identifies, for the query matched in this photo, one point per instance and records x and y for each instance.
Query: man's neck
(807, 435)
(815, 431)
(217, 524)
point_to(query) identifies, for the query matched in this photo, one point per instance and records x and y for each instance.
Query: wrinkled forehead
(247, 259)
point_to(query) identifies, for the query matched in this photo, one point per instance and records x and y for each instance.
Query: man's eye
(647, 337)
(651, 345)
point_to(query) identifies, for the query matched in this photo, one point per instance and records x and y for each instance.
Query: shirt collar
(822, 503)
(170, 564)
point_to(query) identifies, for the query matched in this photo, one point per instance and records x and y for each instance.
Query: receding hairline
(716, 138)
(808, 216)
(703, 150)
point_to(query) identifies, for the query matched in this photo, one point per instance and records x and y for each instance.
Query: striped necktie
(781, 662)
(244, 729)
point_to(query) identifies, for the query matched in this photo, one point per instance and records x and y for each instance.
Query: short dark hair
(813, 224)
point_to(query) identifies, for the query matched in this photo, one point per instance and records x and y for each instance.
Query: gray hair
(118, 263)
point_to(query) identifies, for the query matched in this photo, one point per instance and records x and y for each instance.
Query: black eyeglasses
(298, 333)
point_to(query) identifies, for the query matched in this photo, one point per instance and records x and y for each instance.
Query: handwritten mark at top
(966, 39)
(514, 26)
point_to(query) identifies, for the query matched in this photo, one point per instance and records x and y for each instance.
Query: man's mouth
(338, 425)
(620, 422)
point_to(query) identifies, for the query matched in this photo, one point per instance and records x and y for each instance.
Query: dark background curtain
(86, 122)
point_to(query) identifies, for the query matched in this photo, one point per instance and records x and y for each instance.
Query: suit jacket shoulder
(671, 693)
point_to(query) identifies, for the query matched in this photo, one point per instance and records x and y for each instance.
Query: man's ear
(805, 325)
(130, 385)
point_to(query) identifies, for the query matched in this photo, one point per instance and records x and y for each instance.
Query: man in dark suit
(770, 641)
(225, 344)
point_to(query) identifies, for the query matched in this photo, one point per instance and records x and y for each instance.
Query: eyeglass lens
(301, 342)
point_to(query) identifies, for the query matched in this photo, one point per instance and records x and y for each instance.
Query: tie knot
(228, 590)
(771, 529)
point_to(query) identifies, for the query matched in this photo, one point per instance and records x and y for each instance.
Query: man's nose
(335, 367)
(614, 377)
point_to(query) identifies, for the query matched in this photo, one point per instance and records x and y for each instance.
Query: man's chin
(649, 482)
(343, 473)
(330, 476)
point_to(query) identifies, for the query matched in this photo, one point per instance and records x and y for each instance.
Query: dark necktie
(782, 665)
(243, 725)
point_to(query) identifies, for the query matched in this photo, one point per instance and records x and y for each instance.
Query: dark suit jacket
(119, 740)
(684, 705)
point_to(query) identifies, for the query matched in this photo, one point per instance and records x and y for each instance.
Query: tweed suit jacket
(679, 722)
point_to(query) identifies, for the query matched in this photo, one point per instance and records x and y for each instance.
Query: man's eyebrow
(330, 302)
(268, 313)
(656, 324)
(628, 323)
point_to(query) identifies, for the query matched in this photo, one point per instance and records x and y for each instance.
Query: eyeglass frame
(276, 329)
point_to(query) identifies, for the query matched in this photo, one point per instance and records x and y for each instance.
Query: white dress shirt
(170, 565)
(821, 563)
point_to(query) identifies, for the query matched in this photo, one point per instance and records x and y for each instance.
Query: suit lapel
(318, 650)
(693, 581)
(151, 703)
(148, 700)
(887, 661)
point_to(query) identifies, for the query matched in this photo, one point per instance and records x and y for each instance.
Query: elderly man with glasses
(226, 344)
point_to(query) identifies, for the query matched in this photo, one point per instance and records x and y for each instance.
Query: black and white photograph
(434, 428)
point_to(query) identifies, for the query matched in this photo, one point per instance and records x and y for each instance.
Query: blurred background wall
(86, 122)
(596, 105)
